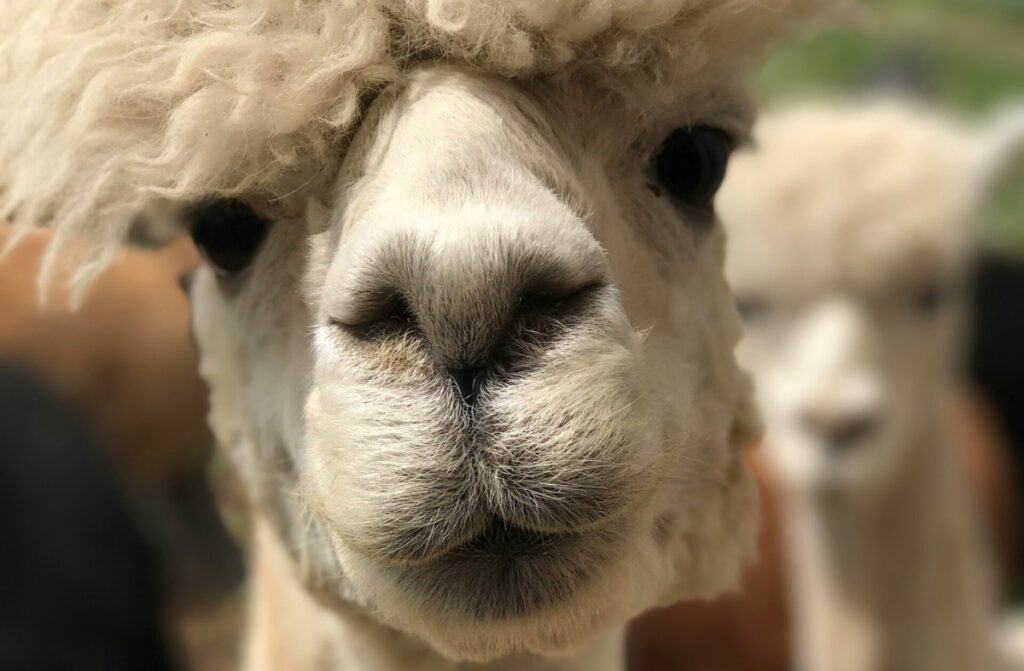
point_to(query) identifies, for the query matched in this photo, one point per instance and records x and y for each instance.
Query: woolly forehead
(110, 105)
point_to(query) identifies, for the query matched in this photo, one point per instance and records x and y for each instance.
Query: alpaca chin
(447, 525)
(511, 591)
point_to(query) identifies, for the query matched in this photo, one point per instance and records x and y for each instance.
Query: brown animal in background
(125, 360)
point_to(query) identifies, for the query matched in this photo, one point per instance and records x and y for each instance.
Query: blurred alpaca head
(850, 234)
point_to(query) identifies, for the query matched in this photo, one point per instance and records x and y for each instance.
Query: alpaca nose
(468, 381)
(468, 334)
(841, 432)
(479, 313)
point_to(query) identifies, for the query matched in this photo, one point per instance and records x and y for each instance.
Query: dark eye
(227, 232)
(930, 299)
(690, 165)
(751, 308)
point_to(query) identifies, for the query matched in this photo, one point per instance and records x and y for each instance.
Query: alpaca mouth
(508, 571)
(503, 539)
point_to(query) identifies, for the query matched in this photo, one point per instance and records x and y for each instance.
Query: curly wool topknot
(106, 106)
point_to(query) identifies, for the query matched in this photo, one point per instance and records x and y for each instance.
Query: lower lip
(503, 540)
(505, 572)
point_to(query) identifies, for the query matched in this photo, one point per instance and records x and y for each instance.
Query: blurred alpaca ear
(1002, 146)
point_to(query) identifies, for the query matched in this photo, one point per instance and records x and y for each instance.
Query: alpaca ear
(1001, 146)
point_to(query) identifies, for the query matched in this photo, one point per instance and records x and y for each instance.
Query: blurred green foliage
(965, 55)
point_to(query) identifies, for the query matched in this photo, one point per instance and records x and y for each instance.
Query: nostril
(554, 300)
(377, 317)
(845, 434)
(468, 381)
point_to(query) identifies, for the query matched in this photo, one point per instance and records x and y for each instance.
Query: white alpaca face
(499, 366)
(848, 241)
(848, 375)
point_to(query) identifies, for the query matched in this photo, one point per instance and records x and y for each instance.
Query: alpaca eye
(691, 164)
(227, 232)
(751, 308)
(929, 299)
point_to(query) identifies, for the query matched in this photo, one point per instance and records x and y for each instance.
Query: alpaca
(462, 312)
(849, 235)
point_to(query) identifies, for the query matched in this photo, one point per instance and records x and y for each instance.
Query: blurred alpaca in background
(850, 236)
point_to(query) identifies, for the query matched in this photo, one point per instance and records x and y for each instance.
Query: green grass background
(965, 55)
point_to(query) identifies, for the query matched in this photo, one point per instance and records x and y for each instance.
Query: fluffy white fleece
(108, 105)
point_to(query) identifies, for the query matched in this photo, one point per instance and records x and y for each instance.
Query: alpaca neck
(895, 582)
(289, 631)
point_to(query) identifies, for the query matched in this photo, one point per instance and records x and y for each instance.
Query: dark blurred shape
(997, 354)
(125, 364)
(202, 561)
(80, 585)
